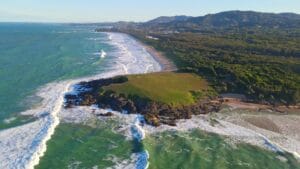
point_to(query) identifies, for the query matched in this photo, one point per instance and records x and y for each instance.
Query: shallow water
(85, 147)
(197, 149)
(98, 143)
(23, 146)
(59, 53)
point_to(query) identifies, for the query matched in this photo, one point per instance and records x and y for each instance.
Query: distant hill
(247, 19)
(226, 20)
(251, 53)
(168, 19)
(230, 20)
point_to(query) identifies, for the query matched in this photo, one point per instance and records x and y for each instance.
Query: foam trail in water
(102, 54)
(142, 160)
(138, 134)
(55, 122)
(23, 146)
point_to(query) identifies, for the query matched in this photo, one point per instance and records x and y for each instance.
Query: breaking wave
(23, 146)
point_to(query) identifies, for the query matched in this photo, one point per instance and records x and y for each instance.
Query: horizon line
(146, 20)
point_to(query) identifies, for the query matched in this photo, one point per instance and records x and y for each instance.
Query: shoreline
(234, 104)
(26, 153)
(131, 67)
(125, 64)
(225, 127)
(166, 64)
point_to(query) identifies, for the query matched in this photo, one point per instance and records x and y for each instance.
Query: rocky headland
(155, 113)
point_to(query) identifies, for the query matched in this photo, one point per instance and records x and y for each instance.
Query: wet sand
(166, 64)
(281, 129)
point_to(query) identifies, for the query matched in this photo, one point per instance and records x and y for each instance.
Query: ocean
(32, 55)
(40, 63)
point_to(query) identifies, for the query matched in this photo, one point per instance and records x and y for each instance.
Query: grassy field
(167, 87)
(262, 66)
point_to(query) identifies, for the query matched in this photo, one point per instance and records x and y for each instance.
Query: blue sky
(129, 10)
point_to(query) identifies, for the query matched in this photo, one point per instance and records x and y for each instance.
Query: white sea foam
(23, 146)
(137, 130)
(109, 37)
(134, 129)
(96, 39)
(9, 120)
(102, 54)
(235, 132)
(130, 125)
(136, 161)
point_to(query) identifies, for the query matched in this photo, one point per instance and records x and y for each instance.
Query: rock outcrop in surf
(155, 113)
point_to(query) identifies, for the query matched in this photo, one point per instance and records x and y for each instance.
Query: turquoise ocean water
(32, 55)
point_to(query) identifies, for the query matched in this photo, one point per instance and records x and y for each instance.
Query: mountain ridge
(167, 19)
(227, 19)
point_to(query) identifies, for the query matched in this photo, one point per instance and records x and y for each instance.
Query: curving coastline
(126, 63)
(165, 63)
(130, 58)
(55, 122)
(229, 129)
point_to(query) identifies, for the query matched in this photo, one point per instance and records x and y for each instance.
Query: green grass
(167, 87)
(263, 65)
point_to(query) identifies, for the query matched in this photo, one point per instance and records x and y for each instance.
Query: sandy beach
(281, 129)
(165, 63)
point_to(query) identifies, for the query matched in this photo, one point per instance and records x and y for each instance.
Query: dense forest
(262, 62)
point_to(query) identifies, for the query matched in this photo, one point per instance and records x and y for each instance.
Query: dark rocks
(88, 100)
(155, 113)
(152, 119)
(108, 114)
(130, 107)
